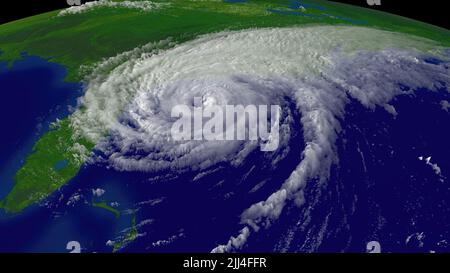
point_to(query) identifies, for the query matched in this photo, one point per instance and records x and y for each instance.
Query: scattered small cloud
(445, 105)
(434, 166)
(98, 192)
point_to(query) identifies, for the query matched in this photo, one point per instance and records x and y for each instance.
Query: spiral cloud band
(320, 68)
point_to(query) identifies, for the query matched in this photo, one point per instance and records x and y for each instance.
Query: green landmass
(107, 207)
(82, 40)
(39, 177)
(87, 38)
(129, 237)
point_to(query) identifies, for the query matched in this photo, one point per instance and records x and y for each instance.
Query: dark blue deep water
(380, 191)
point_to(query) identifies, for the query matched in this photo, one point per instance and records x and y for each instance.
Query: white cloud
(235, 243)
(169, 240)
(445, 105)
(434, 166)
(98, 192)
(151, 202)
(317, 67)
(88, 6)
(74, 199)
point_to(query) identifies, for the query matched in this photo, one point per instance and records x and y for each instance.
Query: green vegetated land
(40, 175)
(87, 38)
(129, 236)
(104, 205)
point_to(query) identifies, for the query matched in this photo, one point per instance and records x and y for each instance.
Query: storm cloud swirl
(318, 69)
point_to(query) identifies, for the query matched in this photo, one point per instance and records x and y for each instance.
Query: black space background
(436, 12)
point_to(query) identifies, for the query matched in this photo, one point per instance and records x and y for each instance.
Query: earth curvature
(89, 162)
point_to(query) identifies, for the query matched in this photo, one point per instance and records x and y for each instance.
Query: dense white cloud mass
(319, 68)
(139, 5)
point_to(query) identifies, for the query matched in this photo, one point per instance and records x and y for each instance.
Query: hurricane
(313, 74)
